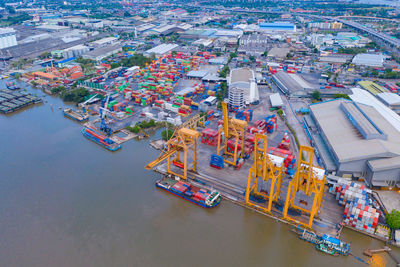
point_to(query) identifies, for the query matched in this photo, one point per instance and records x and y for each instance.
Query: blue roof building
(278, 27)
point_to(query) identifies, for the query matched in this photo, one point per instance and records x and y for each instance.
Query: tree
(252, 58)
(167, 134)
(316, 95)
(224, 72)
(127, 14)
(44, 55)
(393, 219)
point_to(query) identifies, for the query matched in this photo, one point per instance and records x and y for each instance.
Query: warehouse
(99, 53)
(362, 142)
(160, 50)
(291, 84)
(391, 100)
(277, 27)
(372, 87)
(369, 60)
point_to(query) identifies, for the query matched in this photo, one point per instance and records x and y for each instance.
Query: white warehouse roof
(389, 98)
(276, 100)
(364, 97)
(161, 49)
(372, 60)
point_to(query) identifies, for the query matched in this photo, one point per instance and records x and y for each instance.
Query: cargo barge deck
(190, 192)
(76, 116)
(100, 139)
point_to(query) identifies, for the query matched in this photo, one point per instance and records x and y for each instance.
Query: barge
(199, 196)
(76, 116)
(100, 139)
(324, 243)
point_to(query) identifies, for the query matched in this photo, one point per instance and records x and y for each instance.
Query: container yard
(160, 91)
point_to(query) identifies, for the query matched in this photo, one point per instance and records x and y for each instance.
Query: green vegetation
(60, 89)
(77, 95)
(45, 55)
(167, 134)
(390, 74)
(135, 60)
(21, 63)
(345, 96)
(232, 55)
(148, 124)
(222, 93)
(135, 129)
(145, 124)
(372, 45)
(224, 72)
(393, 219)
(352, 50)
(316, 95)
(14, 20)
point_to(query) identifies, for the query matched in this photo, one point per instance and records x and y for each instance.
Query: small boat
(199, 196)
(74, 115)
(12, 86)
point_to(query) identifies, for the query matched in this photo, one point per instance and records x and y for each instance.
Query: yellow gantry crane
(232, 128)
(311, 181)
(266, 169)
(184, 140)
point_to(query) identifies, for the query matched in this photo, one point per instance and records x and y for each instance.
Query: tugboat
(199, 196)
(325, 243)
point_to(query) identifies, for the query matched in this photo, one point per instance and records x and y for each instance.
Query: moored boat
(199, 196)
(325, 243)
(72, 114)
(100, 139)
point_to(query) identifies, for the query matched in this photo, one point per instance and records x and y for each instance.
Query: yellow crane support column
(311, 181)
(185, 141)
(232, 128)
(267, 168)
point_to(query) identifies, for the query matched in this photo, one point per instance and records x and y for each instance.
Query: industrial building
(7, 38)
(75, 51)
(291, 84)
(99, 53)
(358, 141)
(253, 45)
(372, 87)
(391, 100)
(242, 88)
(277, 27)
(104, 42)
(160, 50)
(369, 60)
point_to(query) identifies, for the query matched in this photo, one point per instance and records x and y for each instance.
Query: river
(65, 201)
